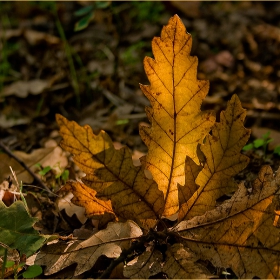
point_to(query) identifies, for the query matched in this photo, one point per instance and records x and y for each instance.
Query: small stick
(37, 180)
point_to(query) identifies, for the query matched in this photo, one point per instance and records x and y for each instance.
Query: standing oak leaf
(242, 232)
(177, 123)
(112, 174)
(224, 160)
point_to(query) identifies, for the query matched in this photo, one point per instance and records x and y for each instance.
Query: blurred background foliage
(83, 59)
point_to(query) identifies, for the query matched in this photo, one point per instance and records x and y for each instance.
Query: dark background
(92, 76)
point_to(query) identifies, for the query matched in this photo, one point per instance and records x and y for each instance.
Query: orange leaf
(86, 197)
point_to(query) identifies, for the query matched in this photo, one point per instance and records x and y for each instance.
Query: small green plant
(277, 150)
(146, 10)
(60, 177)
(30, 272)
(87, 14)
(259, 143)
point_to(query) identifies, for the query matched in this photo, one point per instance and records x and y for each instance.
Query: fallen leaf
(7, 122)
(145, 266)
(108, 242)
(23, 88)
(240, 233)
(112, 174)
(52, 156)
(35, 37)
(64, 203)
(182, 264)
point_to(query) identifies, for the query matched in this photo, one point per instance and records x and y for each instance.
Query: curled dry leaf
(108, 242)
(241, 232)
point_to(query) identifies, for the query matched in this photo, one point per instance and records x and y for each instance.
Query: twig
(37, 180)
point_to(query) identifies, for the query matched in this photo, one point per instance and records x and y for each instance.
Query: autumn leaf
(108, 242)
(241, 233)
(223, 161)
(112, 174)
(86, 197)
(178, 125)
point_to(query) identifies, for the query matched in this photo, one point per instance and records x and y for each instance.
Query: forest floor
(92, 76)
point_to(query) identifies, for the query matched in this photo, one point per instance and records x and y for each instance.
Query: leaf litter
(196, 166)
(223, 235)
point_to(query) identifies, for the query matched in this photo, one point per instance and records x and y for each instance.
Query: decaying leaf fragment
(224, 160)
(108, 242)
(241, 232)
(112, 174)
(177, 123)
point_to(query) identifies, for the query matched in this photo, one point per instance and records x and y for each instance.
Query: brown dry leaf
(223, 161)
(182, 264)
(35, 37)
(241, 233)
(178, 125)
(112, 174)
(7, 192)
(52, 156)
(23, 88)
(179, 263)
(108, 242)
(147, 265)
(71, 209)
(30, 160)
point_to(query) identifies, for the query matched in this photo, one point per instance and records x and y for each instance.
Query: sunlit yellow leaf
(177, 124)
